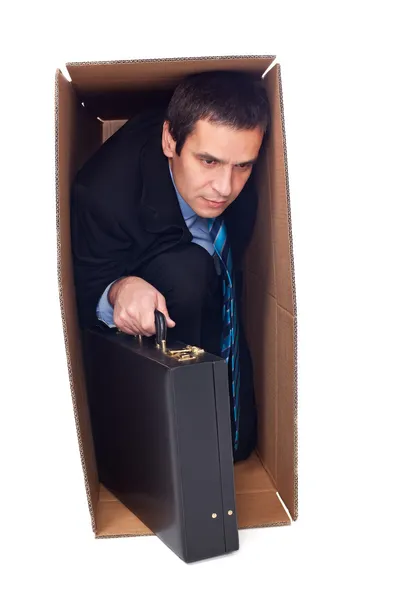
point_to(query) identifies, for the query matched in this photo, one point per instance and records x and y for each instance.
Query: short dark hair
(233, 98)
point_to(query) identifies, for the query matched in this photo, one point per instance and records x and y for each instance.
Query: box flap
(119, 89)
(151, 74)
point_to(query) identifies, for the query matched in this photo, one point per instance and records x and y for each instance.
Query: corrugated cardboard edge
(123, 535)
(295, 375)
(177, 59)
(275, 524)
(64, 324)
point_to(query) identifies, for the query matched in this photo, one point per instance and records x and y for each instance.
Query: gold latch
(185, 354)
(182, 355)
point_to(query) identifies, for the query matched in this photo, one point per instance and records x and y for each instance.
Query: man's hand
(134, 301)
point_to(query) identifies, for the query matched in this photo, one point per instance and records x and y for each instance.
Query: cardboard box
(98, 100)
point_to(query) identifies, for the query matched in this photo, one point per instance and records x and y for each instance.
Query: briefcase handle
(161, 329)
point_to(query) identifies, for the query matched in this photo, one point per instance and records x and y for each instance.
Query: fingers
(134, 308)
(140, 323)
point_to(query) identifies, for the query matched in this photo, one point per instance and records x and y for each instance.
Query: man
(161, 216)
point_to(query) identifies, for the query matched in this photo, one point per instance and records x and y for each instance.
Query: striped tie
(230, 333)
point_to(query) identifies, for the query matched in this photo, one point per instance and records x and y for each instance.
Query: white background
(340, 67)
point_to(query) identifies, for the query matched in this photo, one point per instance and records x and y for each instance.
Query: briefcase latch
(185, 354)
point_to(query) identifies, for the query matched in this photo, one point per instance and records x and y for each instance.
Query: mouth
(215, 203)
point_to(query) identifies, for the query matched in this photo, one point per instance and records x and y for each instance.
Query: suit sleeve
(100, 247)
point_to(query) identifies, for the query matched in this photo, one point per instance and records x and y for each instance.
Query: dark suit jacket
(124, 211)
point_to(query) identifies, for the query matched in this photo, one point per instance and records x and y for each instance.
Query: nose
(223, 182)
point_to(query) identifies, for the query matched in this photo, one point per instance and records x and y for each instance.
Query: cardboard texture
(98, 100)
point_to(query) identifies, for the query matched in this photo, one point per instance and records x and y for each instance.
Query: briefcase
(162, 433)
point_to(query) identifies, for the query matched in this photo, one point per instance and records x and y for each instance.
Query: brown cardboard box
(98, 100)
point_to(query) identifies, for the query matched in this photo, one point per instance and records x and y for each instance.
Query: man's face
(214, 165)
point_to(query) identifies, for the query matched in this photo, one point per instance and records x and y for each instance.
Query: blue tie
(230, 332)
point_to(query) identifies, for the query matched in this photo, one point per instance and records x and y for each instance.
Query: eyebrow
(206, 156)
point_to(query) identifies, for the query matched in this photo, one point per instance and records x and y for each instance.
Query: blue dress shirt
(197, 226)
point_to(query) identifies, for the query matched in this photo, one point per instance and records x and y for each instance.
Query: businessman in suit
(161, 216)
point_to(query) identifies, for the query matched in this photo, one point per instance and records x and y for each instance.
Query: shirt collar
(187, 211)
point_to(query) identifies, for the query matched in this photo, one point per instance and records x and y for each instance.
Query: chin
(210, 213)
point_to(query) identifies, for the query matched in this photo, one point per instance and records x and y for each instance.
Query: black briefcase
(162, 435)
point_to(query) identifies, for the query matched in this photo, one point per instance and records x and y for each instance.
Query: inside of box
(109, 97)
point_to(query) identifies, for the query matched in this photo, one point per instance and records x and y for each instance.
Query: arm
(102, 254)
(100, 248)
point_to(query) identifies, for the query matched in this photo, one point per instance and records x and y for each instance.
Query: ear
(168, 142)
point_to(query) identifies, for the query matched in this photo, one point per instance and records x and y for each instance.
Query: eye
(244, 166)
(209, 162)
